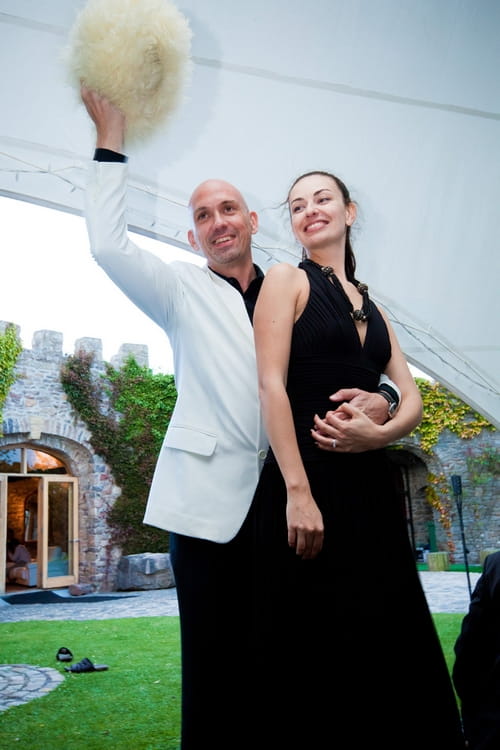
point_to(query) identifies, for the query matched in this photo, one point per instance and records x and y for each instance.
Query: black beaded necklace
(359, 315)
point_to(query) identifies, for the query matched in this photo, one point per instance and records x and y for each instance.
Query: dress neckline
(328, 272)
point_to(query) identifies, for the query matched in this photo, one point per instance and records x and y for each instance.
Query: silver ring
(334, 443)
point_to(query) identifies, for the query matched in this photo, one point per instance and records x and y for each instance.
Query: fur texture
(134, 52)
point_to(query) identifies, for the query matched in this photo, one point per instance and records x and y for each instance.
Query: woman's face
(318, 213)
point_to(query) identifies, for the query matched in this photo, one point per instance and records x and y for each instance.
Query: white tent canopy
(399, 98)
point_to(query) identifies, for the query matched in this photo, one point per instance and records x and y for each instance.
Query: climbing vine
(443, 410)
(127, 412)
(484, 466)
(10, 349)
(437, 494)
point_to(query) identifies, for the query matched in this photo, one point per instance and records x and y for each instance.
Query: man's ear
(192, 241)
(254, 221)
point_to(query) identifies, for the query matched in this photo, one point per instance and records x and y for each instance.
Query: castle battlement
(48, 346)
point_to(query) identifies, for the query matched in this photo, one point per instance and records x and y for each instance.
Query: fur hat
(134, 52)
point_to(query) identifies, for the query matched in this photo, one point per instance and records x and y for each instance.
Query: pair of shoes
(85, 665)
(64, 654)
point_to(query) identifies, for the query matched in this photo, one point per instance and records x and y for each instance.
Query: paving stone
(20, 683)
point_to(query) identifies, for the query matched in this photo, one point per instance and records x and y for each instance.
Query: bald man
(215, 445)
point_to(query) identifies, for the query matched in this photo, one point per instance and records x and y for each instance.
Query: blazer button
(262, 454)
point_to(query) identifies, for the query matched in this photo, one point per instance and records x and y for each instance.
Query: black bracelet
(392, 402)
(105, 154)
(389, 393)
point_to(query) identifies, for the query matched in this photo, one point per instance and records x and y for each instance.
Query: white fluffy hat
(134, 52)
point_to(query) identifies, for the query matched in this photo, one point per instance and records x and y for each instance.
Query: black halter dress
(346, 648)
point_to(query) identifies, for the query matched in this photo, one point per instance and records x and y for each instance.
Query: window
(10, 461)
(29, 461)
(38, 462)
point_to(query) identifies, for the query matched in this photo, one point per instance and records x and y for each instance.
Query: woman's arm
(354, 432)
(281, 296)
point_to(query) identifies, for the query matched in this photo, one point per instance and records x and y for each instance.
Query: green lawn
(134, 705)
(455, 568)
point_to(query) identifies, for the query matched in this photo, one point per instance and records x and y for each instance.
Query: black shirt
(251, 294)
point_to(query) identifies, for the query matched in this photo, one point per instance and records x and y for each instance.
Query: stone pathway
(20, 683)
(154, 603)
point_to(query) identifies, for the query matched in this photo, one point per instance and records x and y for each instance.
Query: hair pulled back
(350, 260)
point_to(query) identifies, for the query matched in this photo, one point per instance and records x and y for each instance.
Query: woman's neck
(333, 258)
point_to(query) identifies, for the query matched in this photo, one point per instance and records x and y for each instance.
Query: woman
(345, 640)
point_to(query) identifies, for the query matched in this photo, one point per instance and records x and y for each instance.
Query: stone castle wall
(37, 414)
(480, 498)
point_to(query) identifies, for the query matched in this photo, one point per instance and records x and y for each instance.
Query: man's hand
(347, 430)
(372, 404)
(109, 121)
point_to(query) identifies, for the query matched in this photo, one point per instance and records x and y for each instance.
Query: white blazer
(215, 445)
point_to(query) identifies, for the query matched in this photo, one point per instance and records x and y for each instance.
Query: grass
(455, 567)
(135, 705)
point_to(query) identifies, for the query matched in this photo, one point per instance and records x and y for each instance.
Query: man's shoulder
(491, 569)
(186, 266)
(186, 271)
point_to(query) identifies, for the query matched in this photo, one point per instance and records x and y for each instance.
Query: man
(215, 444)
(476, 671)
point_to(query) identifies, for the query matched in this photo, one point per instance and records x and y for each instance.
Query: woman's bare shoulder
(283, 272)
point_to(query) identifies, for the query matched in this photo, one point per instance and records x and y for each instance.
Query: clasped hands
(353, 426)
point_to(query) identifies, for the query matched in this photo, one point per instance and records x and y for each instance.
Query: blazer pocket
(190, 439)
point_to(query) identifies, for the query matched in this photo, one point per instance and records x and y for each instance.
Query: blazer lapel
(232, 299)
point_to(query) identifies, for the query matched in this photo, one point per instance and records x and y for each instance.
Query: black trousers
(214, 583)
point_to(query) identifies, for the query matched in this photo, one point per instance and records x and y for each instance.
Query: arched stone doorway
(39, 510)
(410, 476)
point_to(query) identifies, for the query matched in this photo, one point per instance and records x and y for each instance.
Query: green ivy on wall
(443, 410)
(10, 349)
(437, 494)
(484, 466)
(127, 412)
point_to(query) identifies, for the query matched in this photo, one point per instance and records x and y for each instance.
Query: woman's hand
(347, 430)
(305, 524)
(372, 404)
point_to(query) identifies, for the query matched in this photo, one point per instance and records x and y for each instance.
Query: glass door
(58, 551)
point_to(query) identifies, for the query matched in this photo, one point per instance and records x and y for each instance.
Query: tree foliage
(127, 412)
(10, 349)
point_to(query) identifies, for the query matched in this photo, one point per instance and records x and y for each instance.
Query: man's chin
(225, 257)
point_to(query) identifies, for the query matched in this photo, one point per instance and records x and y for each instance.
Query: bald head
(215, 187)
(222, 226)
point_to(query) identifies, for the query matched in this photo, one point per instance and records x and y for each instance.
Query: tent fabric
(400, 99)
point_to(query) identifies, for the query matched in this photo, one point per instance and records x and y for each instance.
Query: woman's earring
(304, 254)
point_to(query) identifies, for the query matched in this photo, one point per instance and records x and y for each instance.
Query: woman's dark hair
(350, 260)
